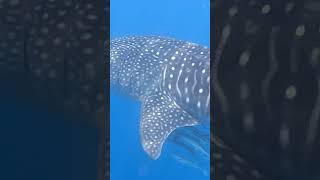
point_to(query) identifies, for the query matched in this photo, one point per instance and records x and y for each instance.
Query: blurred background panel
(266, 84)
(52, 105)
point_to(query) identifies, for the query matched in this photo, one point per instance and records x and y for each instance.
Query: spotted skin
(156, 70)
(51, 52)
(266, 87)
(56, 47)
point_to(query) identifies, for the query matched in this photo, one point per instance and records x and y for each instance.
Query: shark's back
(141, 64)
(135, 64)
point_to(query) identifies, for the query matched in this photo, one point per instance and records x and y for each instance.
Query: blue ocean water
(180, 19)
(37, 143)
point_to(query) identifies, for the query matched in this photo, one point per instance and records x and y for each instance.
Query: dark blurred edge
(212, 116)
(106, 126)
(299, 160)
(17, 81)
(104, 171)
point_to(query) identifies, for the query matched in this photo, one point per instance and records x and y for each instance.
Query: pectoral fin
(160, 116)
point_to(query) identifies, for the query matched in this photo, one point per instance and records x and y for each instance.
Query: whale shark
(171, 79)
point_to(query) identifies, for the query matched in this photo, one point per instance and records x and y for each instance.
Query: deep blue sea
(38, 144)
(181, 19)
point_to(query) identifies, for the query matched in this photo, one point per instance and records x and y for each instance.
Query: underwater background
(44, 133)
(38, 143)
(184, 20)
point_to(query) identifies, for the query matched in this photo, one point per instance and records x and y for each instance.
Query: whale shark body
(170, 77)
